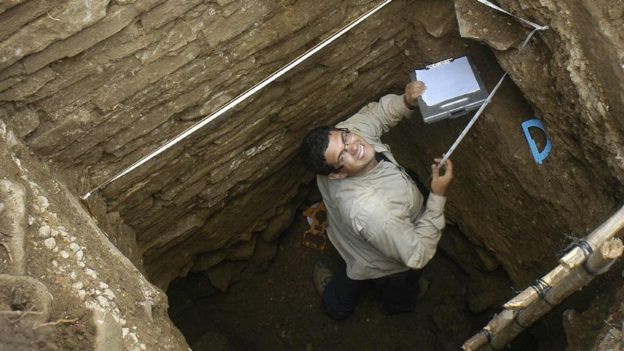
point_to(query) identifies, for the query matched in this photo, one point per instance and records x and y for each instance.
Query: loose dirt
(280, 309)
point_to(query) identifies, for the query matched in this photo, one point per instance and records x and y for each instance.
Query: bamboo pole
(574, 258)
(529, 295)
(609, 252)
(576, 280)
(604, 232)
(505, 326)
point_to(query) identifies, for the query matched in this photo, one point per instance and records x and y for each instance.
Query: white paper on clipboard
(447, 81)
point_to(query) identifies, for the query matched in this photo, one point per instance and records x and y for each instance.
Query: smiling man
(377, 220)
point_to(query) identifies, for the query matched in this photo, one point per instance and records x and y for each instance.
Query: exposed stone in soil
(90, 87)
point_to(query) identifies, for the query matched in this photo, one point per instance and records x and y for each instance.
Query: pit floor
(280, 310)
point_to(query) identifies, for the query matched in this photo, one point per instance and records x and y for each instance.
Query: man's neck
(368, 168)
(381, 157)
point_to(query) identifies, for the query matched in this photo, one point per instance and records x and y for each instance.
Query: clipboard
(454, 88)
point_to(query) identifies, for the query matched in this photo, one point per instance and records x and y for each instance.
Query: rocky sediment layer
(92, 87)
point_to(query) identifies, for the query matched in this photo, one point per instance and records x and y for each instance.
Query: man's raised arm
(376, 118)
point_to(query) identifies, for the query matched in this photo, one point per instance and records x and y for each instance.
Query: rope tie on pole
(587, 251)
(585, 247)
(542, 288)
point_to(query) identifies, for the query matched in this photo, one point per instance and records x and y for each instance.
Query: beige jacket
(376, 221)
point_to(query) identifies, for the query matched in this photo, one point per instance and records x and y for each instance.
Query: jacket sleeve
(413, 244)
(376, 118)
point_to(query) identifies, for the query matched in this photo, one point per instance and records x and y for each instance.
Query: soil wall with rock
(127, 75)
(93, 86)
(63, 285)
(518, 210)
(517, 214)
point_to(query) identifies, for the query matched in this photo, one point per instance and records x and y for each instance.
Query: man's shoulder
(371, 215)
(364, 204)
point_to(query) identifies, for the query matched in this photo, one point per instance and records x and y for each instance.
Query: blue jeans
(397, 293)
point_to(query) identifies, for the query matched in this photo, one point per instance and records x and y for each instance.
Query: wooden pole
(609, 251)
(575, 257)
(604, 232)
(579, 277)
(569, 276)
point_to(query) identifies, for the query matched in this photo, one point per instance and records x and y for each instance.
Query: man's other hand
(412, 91)
(440, 183)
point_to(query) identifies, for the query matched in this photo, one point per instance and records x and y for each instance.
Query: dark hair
(313, 150)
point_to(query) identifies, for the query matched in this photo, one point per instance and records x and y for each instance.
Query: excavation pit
(89, 88)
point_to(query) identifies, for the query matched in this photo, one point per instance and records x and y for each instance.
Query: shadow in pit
(276, 307)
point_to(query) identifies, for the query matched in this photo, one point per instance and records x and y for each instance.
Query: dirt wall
(521, 211)
(92, 86)
(101, 93)
(63, 285)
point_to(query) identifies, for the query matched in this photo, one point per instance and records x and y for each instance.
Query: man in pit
(378, 221)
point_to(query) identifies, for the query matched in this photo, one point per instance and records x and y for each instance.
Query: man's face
(349, 153)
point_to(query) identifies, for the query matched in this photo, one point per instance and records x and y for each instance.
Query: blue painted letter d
(537, 155)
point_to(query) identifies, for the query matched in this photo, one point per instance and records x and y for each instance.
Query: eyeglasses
(344, 136)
